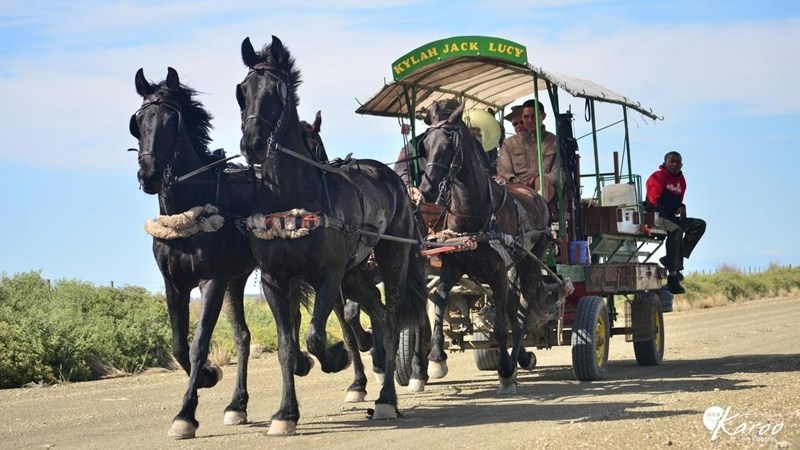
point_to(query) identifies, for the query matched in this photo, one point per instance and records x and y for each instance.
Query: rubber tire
(405, 356)
(651, 351)
(585, 364)
(485, 358)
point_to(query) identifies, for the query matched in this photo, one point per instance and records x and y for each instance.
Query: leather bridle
(158, 101)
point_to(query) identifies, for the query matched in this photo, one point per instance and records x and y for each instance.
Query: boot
(674, 285)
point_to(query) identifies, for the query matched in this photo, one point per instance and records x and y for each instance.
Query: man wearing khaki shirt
(518, 162)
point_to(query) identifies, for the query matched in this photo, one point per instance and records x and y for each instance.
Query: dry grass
(220, 355)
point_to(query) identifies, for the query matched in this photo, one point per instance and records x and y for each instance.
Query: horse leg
(178, 307)
(303, 363)
(233, 304)
(533, 294)
(357, 391)
(333, 358)
(419, 364)
(360, 287)
(393, 260)
(352, 315)
(284, 421)
(504, 303)
(184, 425)
(437, 359)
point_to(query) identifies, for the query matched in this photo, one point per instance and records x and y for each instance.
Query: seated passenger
(518, 161)
(665, 190)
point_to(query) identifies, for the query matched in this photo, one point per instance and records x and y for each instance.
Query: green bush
(262, 327)
(732, 284)
(74, 331)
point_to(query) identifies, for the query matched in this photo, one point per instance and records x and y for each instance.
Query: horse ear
(318, 122)
(173, 82)
(143, 86)
(248, 53)
(277, 50)
(456, 115)
(433, 113)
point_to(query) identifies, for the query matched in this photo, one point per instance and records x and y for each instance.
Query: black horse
(172, 129)
(173, 133)
(506, 223)
(317, 223)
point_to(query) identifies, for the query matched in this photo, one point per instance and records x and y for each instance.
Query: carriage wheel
(485, 358)
(405, 356)
(590, 334)
(650, 352)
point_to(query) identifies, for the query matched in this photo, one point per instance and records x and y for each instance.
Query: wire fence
(741, 270)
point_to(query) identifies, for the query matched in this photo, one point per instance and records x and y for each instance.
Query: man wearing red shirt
(665, 190)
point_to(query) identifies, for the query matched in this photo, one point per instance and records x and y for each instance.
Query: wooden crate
(600, 219)
(612, 278)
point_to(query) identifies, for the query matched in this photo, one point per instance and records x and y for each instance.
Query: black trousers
(682, 237)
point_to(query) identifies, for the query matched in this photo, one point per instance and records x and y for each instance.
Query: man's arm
(505, 168)
(655, 187)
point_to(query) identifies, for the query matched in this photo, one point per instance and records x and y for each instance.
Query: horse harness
(489, 231)
(297, 223)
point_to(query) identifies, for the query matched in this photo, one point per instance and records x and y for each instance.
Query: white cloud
(69, 108)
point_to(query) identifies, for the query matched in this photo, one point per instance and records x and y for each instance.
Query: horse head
(442, 145)
(167, 120)
(267, 98)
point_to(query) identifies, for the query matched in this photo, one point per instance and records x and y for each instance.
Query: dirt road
(742, 359)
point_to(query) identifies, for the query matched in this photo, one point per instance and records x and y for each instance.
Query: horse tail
(300, 291)
(413, 307)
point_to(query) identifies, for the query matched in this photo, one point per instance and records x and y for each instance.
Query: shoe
(674, 286)
(680, 276)
(663, 261)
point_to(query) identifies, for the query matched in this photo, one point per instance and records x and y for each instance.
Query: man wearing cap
(518, 162)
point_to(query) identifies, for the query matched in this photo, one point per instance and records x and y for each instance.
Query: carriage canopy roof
(484, 71)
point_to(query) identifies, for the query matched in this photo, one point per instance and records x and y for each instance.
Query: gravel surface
(742, 359)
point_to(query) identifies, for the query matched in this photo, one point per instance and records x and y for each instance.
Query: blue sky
(723, 74)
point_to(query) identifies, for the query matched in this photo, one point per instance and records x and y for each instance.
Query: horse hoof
(416, 385)
(437, 369)
(384, 412)
(508, 386)
(355, 396)
(182, 429)
(349, 363)
(380, 377)
(532, 363)
(217, 372)
(282, 428)
(235, 418)
(311, 361)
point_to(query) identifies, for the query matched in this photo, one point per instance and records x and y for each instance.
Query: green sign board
(459, 46)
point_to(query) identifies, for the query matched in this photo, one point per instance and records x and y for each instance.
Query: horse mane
(288, 68)
(196, 120)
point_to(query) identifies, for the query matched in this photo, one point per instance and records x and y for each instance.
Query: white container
(619, 195)
(628, 220)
